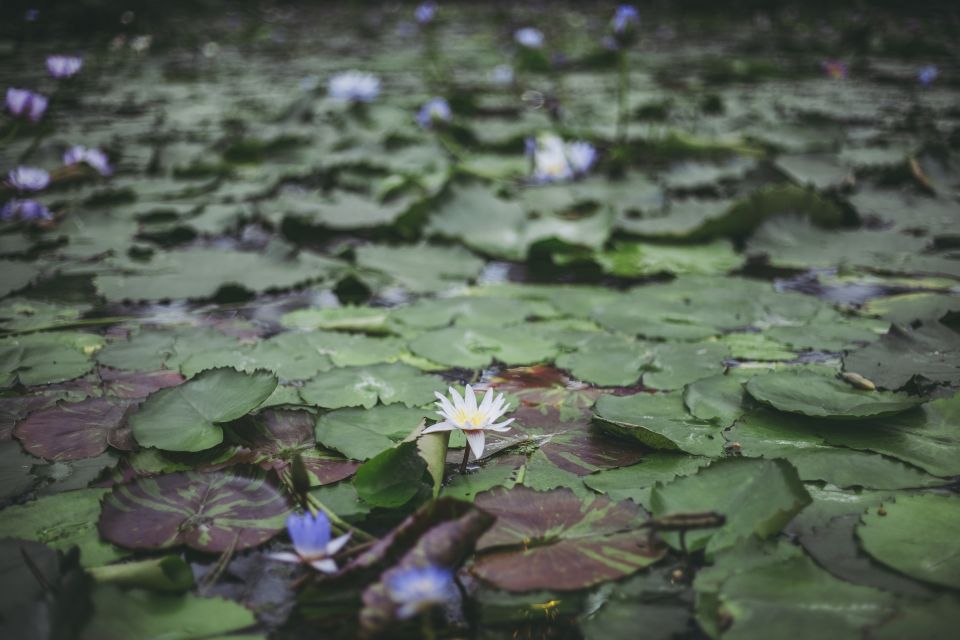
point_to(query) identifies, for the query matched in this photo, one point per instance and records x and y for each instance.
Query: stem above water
(466, 457)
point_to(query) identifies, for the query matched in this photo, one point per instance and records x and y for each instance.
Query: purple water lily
(25, 210)
(927, 74)
(92, 157)
(26, 104)
(435, 110)
(626, 17)
(418, 589)
(425, 12)
(62, 67)
(312, 542)
(28, 179)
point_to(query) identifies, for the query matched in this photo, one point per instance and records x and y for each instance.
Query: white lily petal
(336, 544)
(476, 440)
(326, 566)
(284, 556)
(471, 399)
(440, 426)
(457, 398)
(445, 405)
(487, 401)
(501, 426)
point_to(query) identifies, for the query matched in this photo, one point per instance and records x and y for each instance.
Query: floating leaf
(659, 421)
(361, 434)
(769, 434)
(62, 521)
(274, 439)
(392, 478)
(636, 481)
(553, 540)
(812, 394)
(475, 348)
(925, 437)
(927, 350)
(758, 497)
(917, 536)
(186, 418)
(136, 613)
(72, 431)
(364, 386)
(209, 512)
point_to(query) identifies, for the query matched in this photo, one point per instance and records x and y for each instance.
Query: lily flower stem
(623, 90)
(14, 130)
(466, 457)
(426, 626)
(337, 522)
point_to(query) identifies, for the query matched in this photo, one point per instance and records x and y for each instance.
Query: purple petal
(309, 534)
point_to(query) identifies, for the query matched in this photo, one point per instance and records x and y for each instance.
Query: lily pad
(62, 521)
(475, 348)
(562, 543)
(186, 418)
(71, 431)
(758, 497)
(361, 434)
(137, 613)
(813, 394)
(365, 386)
(659, 421)
(916, 536)
(209, 512)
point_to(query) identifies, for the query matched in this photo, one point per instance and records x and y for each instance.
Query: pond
(476, 320)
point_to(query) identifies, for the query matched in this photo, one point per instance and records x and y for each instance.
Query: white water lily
(354, 86)
(556, 161)
(474, 420)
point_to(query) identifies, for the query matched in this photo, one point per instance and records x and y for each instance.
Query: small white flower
(529, 37)
(354, 86)
(464, 414)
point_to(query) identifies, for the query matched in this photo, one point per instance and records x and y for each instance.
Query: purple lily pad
(553, 540)
(206, 511)
(76, 430)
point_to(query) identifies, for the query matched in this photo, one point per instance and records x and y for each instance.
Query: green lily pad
(421, 268)
(637, 481)
(62, 521)
(186, 418)
(534, 548)
(782, 595)
(364, 386)
(925, 437)
(927, 350)
(758, 497)
(770, 434)
(607, 360)
(209, 512)
(201, 273)
(916, 536)
(361, 434)
(812, 394)
(475, 348)
(136, 613)
(659, 421)
(393, 477)
(636, 259)
(675, 365)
